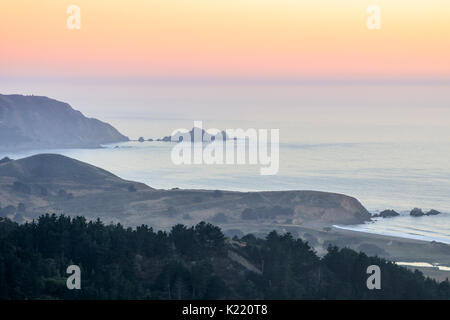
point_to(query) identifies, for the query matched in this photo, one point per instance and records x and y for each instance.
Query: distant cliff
(34, 122)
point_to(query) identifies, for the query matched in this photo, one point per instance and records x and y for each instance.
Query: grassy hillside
(58, 184)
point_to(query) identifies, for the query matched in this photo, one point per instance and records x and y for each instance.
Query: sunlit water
(397, 176)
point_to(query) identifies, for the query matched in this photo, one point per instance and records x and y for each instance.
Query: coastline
(320, 234)
(392, 248)
(394, 235)
(400, 249)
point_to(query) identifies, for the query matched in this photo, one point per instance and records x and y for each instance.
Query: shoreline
(154, 175)
(159, 208)
(396, 235)
(392, 248)
(408, 250)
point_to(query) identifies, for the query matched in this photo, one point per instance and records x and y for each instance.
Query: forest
(197, 262)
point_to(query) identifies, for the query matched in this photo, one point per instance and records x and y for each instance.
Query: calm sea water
(384, 175)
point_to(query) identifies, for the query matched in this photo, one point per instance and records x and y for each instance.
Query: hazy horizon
(314, 68)
(340, 113)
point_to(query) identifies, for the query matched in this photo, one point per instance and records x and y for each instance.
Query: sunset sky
(320, 39)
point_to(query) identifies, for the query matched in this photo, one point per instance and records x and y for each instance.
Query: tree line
(195, 262)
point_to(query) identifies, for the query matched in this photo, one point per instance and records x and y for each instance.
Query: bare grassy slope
(55, 183)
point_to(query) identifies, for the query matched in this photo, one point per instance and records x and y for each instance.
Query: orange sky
(231, 38)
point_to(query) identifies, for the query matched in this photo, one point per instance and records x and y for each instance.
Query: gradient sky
(315, 39)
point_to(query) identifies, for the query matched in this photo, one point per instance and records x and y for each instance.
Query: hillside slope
(54, 183)
(33, 122)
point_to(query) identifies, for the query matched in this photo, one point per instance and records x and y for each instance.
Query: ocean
(397, 176)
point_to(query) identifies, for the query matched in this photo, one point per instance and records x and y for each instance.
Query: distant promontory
(36, 122)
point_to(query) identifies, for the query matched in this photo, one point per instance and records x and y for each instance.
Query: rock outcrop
(416, 212)
(387, 214)
(195, 134)
(432, 212)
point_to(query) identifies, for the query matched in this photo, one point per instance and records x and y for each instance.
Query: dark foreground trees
(187, 263)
